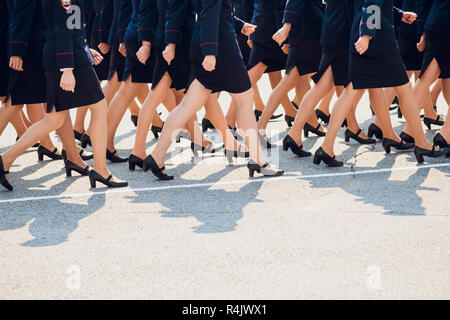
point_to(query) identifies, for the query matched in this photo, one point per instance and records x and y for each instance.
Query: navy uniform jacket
(142, 25)
(64, 48)
(337, 23)
(306, 17)
(124, 17)
(180, 21)
(4, 69)
(26, 30)
(383, 41)
(268, 17)
(214, 32)
(106, 15)
(243, 9)
(411, 6)
(434, 15)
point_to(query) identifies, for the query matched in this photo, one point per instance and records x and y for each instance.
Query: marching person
(71, 83)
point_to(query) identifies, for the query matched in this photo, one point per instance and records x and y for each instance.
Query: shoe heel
(317, 159)
(347, 138)
(306, 133)
(289, 123)
(251, 172)
(285, 146)
(40, 156)
(387, 148)
(370, 133)
(131, 166)
(419, 158)
(204, 127)
(83, 144)
(68, 172)
(399, 113)
(428, 125)
(93, 182)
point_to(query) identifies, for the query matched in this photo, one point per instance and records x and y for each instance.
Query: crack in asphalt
(355, 158)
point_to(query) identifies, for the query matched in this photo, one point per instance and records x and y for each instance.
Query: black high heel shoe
(440, 141)
(294, 105)
(134, 161)
(111, 156)
(429, 121)
(357, 138)
(83, 154)
(421, 153)
(321, 155)
(259, 113)
(289, 143)
(229, 154)
(43, 151)
(289, 120)
(85, 140)
(309, 128)
(134, 119)
(252, 167)
(376, 131)
(78, 135)
(344, 124)
(402, 145)
(322, 116)
(206, 124)
(36, 145)
(156, 130)
(95, 177)
(196, 148)
(406, 137)
(264, 141)
(70, 166)
(150, 163)
(3, 181)
(399, 112)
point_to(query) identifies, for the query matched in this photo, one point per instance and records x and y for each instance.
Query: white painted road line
(223, 183)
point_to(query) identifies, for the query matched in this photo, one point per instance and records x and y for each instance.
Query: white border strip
(223, 183)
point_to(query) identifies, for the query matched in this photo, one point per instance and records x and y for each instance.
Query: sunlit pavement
(377, 228)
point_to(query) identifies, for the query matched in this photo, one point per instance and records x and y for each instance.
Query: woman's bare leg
(275, 78)
(324, 105)
(436, 91)
(380, 107)
(118, 106)
(25, 119)
(255, 74)
(38, 131)
(309, 102)
(36, 113)
(343, 105)
(18, 124)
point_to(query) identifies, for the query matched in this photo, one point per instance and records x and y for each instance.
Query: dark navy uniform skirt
(87, 89)
(102, 70)
(179, 69)
(117, 64)
(27, 86)
(368, 72)
(229, 76)
(139, 72)
(243, 45)
(305, 55)
(271, 56)
(337, 58)
(438, 47)
(412, 57)
(4, 72)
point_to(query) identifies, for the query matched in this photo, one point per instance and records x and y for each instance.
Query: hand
(248, 29)
(281, 35)
(409, 17)
(250, 43)
(16, 63)
(144, 52)
(169, 53)
(209, 63)
(67, 82)
(98, 58)
(422, 44)
(122, 49)
(285, 48)
(104, 47)
(362, 44)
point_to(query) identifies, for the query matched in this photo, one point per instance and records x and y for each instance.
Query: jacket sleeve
(423, 10)
(292, 11)
(124, 18)
(147, 20)
(366, 25)
(398, 15)
(176, 11)
(238, 24)
(106, 17)
(64, 38)
(209, 20)
(21, 20)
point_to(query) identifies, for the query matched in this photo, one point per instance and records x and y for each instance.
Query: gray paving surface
(377, 228)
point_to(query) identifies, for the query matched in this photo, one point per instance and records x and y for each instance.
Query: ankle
(328, 149)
